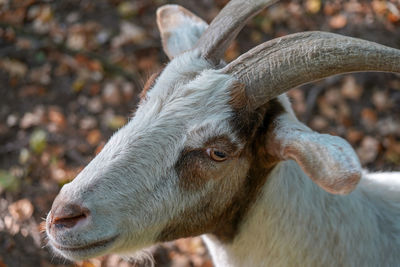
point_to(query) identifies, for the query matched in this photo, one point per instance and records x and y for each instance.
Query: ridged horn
(227, 25)
(276, 66)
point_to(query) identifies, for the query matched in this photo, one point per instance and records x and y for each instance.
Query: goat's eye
(216, 155)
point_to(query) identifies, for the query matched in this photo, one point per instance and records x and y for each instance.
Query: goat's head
(206, 135)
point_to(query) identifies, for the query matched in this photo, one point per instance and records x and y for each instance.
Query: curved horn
(276, 66)
(227, 25)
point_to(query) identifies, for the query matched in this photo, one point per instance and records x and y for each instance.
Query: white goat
(215, 149)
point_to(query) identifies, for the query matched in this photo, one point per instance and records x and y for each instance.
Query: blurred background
(71, 72)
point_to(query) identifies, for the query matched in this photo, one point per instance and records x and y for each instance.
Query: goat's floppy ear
(180, 29)
(328, 160)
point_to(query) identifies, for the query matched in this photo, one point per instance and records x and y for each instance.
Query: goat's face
(150, 181)
(205, 137)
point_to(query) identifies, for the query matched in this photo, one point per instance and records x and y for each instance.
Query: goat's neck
(294, 223)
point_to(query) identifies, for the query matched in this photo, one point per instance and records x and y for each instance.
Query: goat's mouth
(102, 244)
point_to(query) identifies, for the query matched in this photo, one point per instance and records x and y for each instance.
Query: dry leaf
(354, 136)
(369, 116)
(338, 21)
(116, 122)
(111, 94)
(94, 137)
(129, 33)
(14, 68)
(350, 89)
(368, 150)
(55, 116)
(88, 123)
(313, 6)
(21, 210)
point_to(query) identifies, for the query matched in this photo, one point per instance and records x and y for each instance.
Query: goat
(216, 149)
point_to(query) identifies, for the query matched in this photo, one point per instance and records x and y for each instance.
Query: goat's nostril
(69, 215)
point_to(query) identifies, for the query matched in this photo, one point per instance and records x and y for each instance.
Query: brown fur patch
(149, 84)
(222, 210)
(239, 98)
(261, 165)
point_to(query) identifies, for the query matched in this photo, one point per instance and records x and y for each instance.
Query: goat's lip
(97, 244)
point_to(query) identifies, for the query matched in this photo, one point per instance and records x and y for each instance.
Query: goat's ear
(328, 160)
(180, 29)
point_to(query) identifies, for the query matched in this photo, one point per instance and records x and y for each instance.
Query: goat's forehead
(188, 78)
(188, 92)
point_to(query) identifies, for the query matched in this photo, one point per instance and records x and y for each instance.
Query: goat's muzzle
(67, 215)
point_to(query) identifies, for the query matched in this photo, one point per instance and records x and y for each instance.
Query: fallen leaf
(350, 89)
(21, 210)
(31, 90)
(127, 9)
(333, 96)
(326, 109)
(380, 7)
(380, 100)
(88, 123)
(24, 156)
(12, 120)
(127, 91)
(94, 137)
(78, 85)
(94, 89)
(57, 173)
(38, 141)
(14, 67)
(368, 150)
(313, 6)
(369, 116)
(76, 40)
(393, 18)
(34, 118)
(8, 181)
(330, 9)
(95, 65)
(319, 123)
(392, 153)
(23, 43)
(95, 105)
(111, 94)
(116, 122)
(354, 136)
(129, 33)
(13, 17)
(55, 116)
(41, 74)
(338, 21)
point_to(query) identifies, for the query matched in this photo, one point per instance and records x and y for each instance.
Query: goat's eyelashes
(216, 155)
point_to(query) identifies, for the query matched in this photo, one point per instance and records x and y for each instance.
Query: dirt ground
(71, 72)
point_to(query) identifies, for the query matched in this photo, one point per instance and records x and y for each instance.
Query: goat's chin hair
(142, 257)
